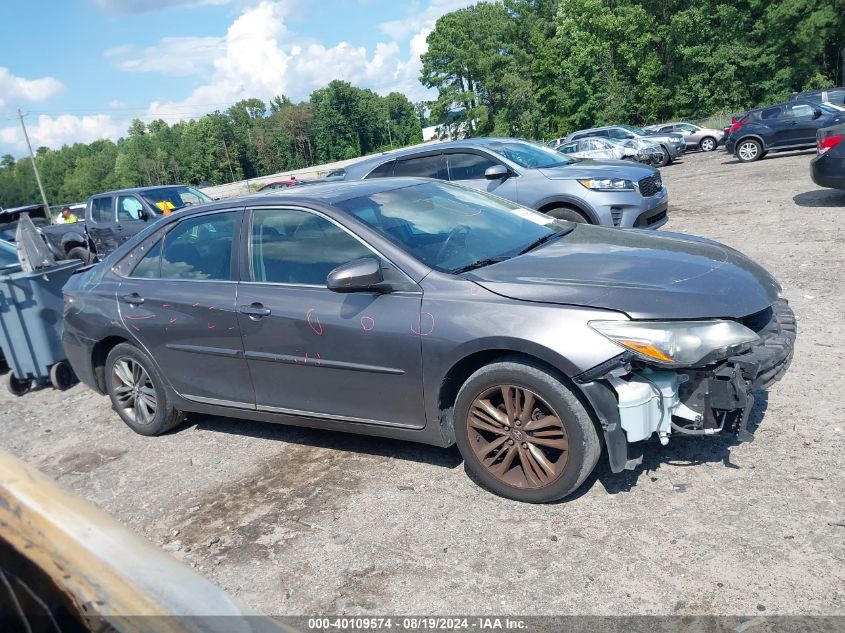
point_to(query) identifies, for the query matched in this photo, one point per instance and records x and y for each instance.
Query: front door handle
(255, 311)
(133, 299)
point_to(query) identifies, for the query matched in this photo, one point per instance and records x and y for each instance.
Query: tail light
(738, 124)
(829, 142)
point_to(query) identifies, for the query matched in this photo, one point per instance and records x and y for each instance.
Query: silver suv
(610, 193)
(673, 145)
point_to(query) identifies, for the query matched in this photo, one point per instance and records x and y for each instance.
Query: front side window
(686, 127)
(569, 148)
(101, 210)
(449, 227)
(297, 247)
(619, 133)
(129, 209)
(422, 167)
(198, 248)
(468, 166)
(800, 111)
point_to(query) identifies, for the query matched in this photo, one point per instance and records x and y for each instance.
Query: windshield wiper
(543, 240)
(479, 264)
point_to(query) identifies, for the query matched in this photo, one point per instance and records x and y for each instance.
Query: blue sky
(82, 69)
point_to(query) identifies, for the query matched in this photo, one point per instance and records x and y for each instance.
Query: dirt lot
(304, 522)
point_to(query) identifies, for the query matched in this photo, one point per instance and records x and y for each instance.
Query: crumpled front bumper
(718, 398)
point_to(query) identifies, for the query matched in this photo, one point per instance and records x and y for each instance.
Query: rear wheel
(707, 144)
(137, 391)
(17, 387)
(523, 433)
(62, 376)
(749, 150)
(568, 213)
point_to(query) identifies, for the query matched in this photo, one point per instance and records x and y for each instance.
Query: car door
(131, 217)
(313, 352)
(780, 126)
(467, 167)
(100, 224)
(803, 123)
(179, 301)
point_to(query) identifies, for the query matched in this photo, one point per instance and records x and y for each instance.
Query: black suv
(787, 126)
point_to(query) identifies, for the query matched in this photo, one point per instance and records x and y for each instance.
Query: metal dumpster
(31, 326)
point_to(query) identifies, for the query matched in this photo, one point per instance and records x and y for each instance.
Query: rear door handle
(133, 299)
(255, 311)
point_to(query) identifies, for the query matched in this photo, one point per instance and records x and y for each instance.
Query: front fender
(568, 200)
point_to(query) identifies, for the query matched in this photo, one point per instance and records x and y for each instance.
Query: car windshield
(635, 130)
(529, 155)
(170, 198)
(8, 255)
(451, 228)
(826, 108)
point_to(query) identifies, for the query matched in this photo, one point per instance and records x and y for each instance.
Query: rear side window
(101, 210)
(422, 167)
(468, 166)
(383, 171)
(770, 114)
(196, 248)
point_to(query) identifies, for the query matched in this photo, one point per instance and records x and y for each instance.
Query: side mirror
(359, 275)
(817, 113)
(143, 215)
(497, 172)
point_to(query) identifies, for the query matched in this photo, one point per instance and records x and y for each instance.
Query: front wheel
(137, 391)
(16, 386)
(749, 150)
(522, 432)
(80, 252)
(665, 157)
(61, 376)
(707, 144)
(568, 213)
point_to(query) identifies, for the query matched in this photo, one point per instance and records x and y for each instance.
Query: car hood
(645, 274)
(599, 168)
(664, 138)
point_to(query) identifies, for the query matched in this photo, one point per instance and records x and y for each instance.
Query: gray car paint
(425, 339)
(543, 189)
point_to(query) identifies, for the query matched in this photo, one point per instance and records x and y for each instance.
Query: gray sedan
(610, 193)
(424, 311)
(705, 139)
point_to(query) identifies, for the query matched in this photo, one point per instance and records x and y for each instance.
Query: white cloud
(148, 6)
(14, 88)
(170, 56)
(53, 132)
(261, 57)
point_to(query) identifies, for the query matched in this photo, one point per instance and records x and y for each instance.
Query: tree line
(252, 138)
(541, 68)
(530, 68)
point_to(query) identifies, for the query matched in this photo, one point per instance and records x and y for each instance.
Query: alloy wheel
(708, 145)
(133, 390)
(517, 437)
(748, 151)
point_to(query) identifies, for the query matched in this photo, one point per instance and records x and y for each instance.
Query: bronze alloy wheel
(517, 437)
(134, 391)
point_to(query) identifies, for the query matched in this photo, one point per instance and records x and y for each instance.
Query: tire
(555, 412)
(4, 366)
(80, 252)
(748, 150)
(666, 157)
(136, 381)
(708, 144)
(61, 376)
(16, 386)
(568, 213)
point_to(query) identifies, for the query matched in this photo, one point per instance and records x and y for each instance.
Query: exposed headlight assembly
(678, 342)
(607, 184)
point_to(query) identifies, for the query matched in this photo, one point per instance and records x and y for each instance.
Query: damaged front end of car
(685, 377)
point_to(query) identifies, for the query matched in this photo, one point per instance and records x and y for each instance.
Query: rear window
(769, 113)
(383, 171)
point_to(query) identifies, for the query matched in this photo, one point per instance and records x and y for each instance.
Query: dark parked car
(610, 193)
(829, 96)
(114, 217)
(9, 219)
(828, 167)
(783, 127)
(420, 310)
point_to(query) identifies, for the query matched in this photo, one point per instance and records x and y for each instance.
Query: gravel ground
(304, 522)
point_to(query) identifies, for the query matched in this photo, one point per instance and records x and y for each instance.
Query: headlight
(607, 184)
(677, 342)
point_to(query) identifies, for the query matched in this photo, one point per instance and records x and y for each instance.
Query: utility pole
(226, 149)
(389, 135)
(34, 166)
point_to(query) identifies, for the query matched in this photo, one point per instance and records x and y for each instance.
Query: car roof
(136, 190)
(433, 148)
(785, 103)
